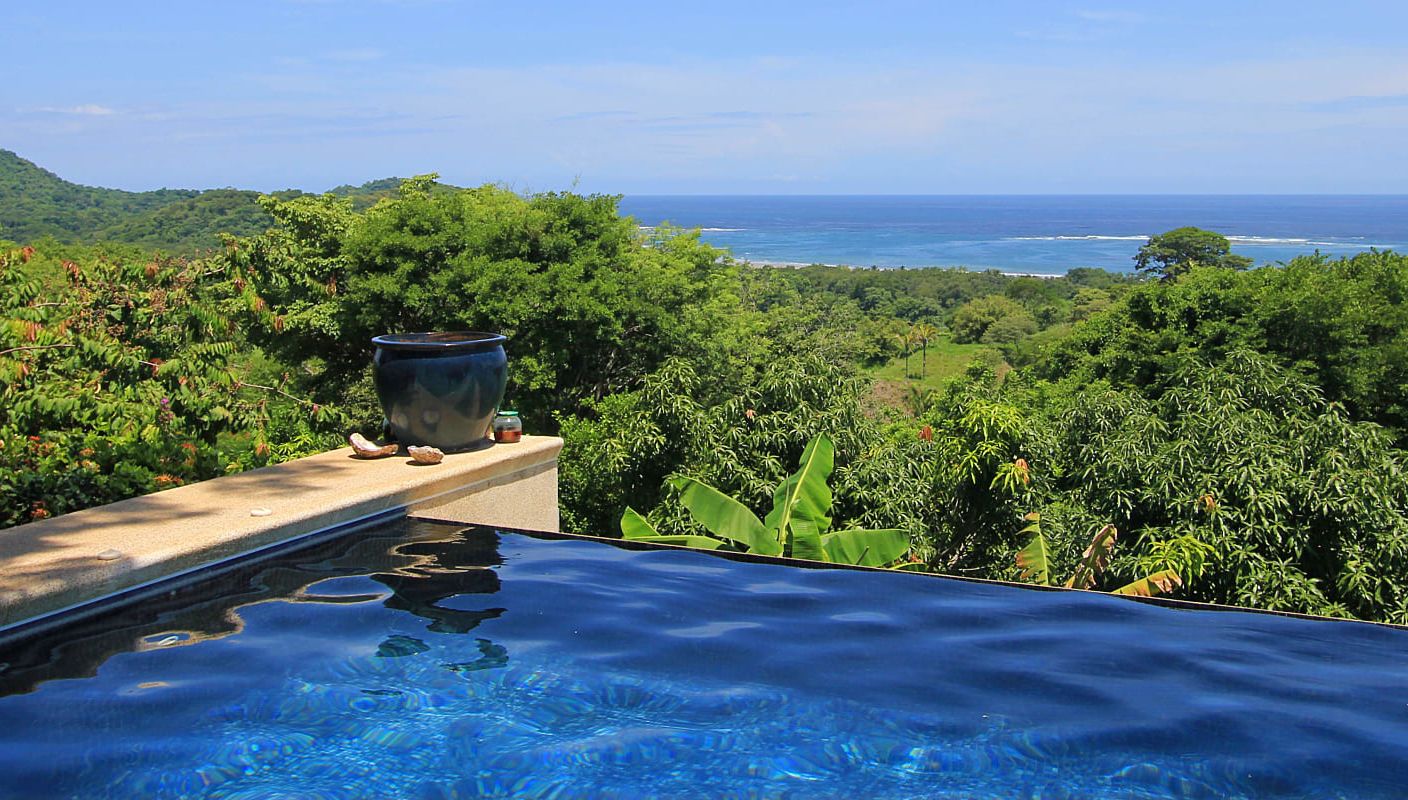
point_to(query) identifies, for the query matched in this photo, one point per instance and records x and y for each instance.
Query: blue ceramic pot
(440, 389)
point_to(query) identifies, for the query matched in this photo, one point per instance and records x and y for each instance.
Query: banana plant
(1034, 561)
(799, 524)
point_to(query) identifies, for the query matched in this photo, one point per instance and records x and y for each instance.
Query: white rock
(426, 455)
(365, 448)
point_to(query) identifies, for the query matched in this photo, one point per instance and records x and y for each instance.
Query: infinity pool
(422, 660)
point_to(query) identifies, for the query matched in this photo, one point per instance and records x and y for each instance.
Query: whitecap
(1256, 241)
(1270, 240)
(1085, 238)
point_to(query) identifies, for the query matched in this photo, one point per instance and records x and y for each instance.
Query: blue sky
(758, 97)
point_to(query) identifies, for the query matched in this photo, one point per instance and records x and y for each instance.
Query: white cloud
(84, 110)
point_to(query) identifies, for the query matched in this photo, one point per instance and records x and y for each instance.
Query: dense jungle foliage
(1242, 427)
(36, 203)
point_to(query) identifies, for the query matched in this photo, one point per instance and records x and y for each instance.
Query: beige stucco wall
(526, 499)
(73, 559)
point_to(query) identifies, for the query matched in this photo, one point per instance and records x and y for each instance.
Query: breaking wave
(1245, 241)
(1087, 238)
(706, 230)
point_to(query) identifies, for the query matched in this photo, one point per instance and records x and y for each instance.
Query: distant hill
(35, 202)
(377, 189)
(367, 195)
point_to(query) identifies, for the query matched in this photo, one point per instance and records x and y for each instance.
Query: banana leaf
(1094, 559)
(1161, 582)
(1035, 559)
(638, 529)
(806, 541)
(725, 517)
(804, 496)
(634, 526)
(868, 548)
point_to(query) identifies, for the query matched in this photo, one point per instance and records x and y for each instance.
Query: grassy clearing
(946, 361)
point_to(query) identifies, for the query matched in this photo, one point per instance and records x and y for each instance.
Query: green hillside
(35, 203)
(189, 223)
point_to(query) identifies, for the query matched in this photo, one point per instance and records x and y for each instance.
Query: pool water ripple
(421, 662)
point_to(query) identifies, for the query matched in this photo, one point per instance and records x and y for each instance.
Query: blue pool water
(1039, 234)
(418, 661)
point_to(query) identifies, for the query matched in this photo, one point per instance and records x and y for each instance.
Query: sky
(997, 97)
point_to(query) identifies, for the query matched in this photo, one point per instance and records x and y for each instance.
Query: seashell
(365, 448)
(426, 455)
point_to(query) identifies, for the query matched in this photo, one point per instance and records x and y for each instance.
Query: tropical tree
(588, 308)
(119, 378)
(973, 320)
(1290, 494)
(1343, 322)
(1174, 252)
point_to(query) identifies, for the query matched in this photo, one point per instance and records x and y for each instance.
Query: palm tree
(905, 341)
(924, 333)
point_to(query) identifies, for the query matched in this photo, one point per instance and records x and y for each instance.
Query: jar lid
(508, 413)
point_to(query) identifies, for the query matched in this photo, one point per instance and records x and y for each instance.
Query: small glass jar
(508, 428)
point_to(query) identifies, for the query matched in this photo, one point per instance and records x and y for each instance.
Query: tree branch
(35, 347)
(276, 390)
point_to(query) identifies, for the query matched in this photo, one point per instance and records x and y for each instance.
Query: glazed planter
(440, 389)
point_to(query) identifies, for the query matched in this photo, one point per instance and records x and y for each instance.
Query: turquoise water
(419, 661)
(1040, 234)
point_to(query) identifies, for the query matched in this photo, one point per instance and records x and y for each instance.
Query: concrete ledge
(54, 564)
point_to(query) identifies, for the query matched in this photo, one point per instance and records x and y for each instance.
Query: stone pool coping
(74, 559)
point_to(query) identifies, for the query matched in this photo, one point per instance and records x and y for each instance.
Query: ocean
(1033, 234)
